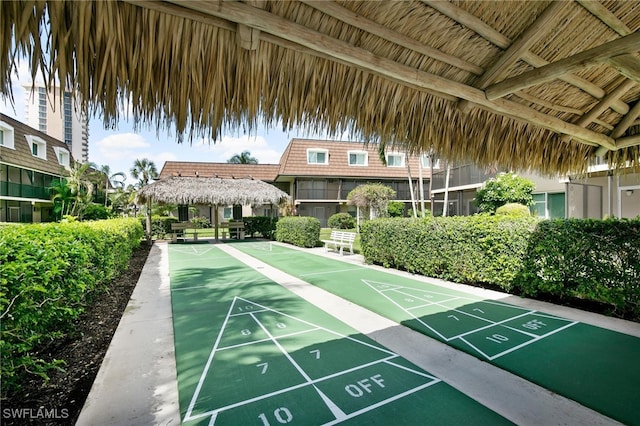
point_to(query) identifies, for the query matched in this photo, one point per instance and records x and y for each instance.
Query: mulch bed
(60, 400)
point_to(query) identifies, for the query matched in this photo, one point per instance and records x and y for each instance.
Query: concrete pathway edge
(136, 383)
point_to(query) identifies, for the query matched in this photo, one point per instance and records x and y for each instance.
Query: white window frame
(396, 154)
(366, 158)
(317, 151)
(65, 161)
(42, 146)
(427, 160)
(7, 135)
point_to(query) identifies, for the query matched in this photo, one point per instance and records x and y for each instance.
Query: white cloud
(121, 146)
(228, 146)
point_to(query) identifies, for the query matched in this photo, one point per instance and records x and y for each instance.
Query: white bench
(340, 240)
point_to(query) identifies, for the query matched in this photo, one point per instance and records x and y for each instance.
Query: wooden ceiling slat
(627, 65)
(269, 23)
(601, 12)
(626, 122)
(345, 15)
(586, 59)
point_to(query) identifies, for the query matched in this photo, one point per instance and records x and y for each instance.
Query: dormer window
(6, 136)
(64, 158)
(37, 146)
(317, 156)
(395, 160)
(358, 158)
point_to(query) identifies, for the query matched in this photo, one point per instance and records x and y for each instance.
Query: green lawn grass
(325, 234)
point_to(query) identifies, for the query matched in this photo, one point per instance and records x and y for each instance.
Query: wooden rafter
(627, 65)
(622, 87)
(345, 15)
(600, 11)
(268, 23)
(515, 51)
(626, 122)
(490, 34)
(580, 61)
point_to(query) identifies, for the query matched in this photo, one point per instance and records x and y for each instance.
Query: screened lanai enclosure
(544, 85)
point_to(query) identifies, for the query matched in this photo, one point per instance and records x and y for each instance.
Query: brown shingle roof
(264, 172)
(294, 161)
(21, 154)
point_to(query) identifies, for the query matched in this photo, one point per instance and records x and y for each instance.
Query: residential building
(599, 193)
(29, 161)
(59, 118)
(319, 175)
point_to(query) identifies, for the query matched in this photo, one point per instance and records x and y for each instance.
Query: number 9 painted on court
(282, 416)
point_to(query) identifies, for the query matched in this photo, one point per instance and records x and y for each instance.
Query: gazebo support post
(215, 221)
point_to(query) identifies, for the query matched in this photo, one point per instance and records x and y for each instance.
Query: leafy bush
(160, 225)
(96, 212)
(476, 249)
(263, 225)
(395, 209)
(341, 221)
(597, 260)
(513, 209)
(302, 231)
(48, 274)
(200, 222)
(502, 189)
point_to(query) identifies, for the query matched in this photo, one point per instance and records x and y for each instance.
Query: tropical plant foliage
(504, 188)
(48, 273)
(243, 158)
(372, 196)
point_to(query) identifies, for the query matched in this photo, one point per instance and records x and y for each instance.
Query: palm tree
(105, 179)
(81, 186)
(145, 170)
(243, 158)
(61, 197)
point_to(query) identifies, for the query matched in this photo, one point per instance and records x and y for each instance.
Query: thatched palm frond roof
(520, 84)
(215, 191)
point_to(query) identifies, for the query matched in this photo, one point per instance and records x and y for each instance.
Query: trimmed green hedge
(263, 225)
(341, 221)
(48, 274)
(474, 249)
(301, 231)
(160, 225)
(594, 260)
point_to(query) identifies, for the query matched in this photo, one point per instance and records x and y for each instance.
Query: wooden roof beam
(515, 51)
(627, 65)
(475, 24)
(626, 122)
(601, 12)
(623, 87)
(268, 23)
(588, 58)
(345, 15)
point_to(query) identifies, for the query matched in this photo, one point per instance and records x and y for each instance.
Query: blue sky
(119, 147)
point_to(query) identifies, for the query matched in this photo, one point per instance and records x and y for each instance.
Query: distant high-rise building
(64, 121)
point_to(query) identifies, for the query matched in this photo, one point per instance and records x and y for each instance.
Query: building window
(6, 135)
(428, 161)
(64, 159)
(358, 158)
(228, 213)
(37, 146)
(395, 160)
(317, 156)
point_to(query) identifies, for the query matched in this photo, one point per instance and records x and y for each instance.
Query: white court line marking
(413, 371)
(385, 402)
(461, 336)
(247, 313)
(266, 340)
(331, 272)
(188, 415)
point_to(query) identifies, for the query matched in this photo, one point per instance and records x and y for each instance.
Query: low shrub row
(301, 231)
(48, 274)
(594, 260)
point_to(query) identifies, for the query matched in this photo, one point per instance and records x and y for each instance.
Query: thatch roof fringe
(390, 72)
(215, 191)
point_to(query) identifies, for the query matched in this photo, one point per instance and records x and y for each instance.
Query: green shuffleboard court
(248, 351)
(593, 366)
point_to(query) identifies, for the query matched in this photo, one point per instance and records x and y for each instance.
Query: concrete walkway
(136, 384)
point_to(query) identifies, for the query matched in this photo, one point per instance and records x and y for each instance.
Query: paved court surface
(596, 367)
(246, 324)
(249, 351)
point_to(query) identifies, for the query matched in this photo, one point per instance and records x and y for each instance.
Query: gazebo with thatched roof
(213, 191)
(543, 85)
